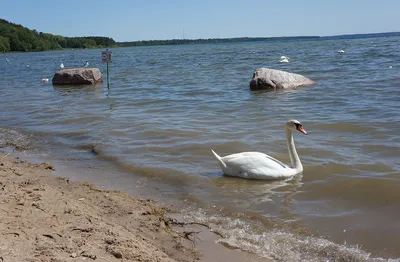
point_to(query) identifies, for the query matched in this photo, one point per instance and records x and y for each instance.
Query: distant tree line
(212, 40)
(14, 37)
(358, 36)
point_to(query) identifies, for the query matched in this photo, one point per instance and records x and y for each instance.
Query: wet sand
(47, 218)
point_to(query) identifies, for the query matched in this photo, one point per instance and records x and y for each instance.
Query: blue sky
(130, 20)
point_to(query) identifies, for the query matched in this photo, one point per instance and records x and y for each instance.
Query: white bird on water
(284, 59)
(45, 80)
(62, 66)
(341, 51)
(86, 64)
(8, 61)
(255, 165)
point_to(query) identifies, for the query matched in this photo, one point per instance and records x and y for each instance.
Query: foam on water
(279, 244)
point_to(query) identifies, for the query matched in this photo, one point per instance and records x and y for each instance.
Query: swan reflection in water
(254, 197)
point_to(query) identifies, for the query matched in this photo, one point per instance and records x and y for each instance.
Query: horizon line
(255, 37)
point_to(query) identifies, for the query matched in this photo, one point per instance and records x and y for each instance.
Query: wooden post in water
(106, 58)
(108, 78)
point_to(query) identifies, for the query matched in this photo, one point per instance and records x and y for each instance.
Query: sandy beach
(45, 217)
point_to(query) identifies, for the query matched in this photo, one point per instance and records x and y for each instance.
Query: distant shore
(17, 38)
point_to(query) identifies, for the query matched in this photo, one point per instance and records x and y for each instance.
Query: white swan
(255, 165)
(45, 80)
(341, 51)
(284, 59)
(62, 66)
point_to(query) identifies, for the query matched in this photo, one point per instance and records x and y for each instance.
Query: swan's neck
(294, 157)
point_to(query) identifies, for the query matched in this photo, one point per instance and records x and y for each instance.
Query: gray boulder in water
(77, 76)
(266, 78)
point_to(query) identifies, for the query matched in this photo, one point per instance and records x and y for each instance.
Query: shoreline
(45, 217)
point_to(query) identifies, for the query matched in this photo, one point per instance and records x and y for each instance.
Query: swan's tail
(220, 162)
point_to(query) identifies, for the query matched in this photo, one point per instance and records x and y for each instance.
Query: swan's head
(295, 125)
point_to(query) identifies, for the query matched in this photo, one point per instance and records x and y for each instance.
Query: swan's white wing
(255, 165)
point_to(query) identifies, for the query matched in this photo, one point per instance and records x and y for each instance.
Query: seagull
(341, 51)
(8, 61)
(86, 64)
(62, 66)
(45, 80)
(284, 59)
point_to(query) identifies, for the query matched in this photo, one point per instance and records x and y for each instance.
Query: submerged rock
(77, 76)
(266, 78)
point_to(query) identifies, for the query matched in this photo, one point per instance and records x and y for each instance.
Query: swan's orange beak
(301, 129)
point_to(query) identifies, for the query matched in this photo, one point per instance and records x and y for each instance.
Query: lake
(152, 132)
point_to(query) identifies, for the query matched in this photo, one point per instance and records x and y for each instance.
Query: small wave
(170, 176)
(344, 127)
(280, 244)
(88, 119)
(14, 138)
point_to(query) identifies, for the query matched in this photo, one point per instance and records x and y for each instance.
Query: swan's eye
(297, 125)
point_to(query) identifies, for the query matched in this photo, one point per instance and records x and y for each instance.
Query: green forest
(211, 40)
(14, 37)
(17, 38)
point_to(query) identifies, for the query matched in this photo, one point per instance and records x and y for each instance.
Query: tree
(15, 37)
(4, 44)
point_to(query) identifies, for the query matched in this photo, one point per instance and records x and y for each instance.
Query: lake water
(169, 105)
